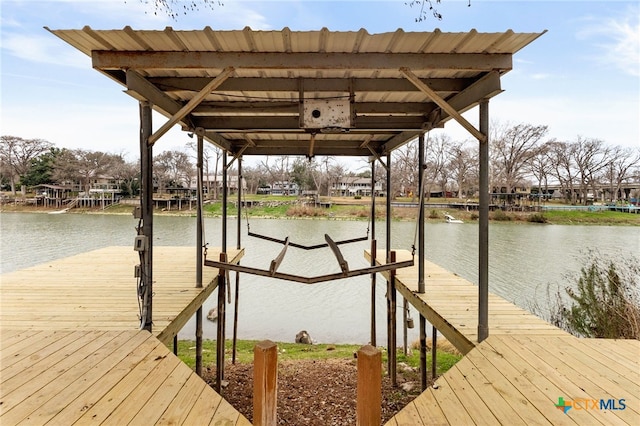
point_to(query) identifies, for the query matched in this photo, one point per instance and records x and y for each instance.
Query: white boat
(59, 211)
(451, 219)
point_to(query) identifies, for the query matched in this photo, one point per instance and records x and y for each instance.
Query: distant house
(350, 186)
(285, 188)
(213, 181)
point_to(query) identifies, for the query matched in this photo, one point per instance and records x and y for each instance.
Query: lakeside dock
(71, 354)
(520, 372)
(71, 350)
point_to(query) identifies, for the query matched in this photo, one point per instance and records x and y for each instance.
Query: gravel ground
(316, 392)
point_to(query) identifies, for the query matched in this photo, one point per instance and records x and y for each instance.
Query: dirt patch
(316, 392)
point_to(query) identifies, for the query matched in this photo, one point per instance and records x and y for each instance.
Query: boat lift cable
(302, 246)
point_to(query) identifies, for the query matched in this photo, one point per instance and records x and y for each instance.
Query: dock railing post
(369, 388)
(265, 383)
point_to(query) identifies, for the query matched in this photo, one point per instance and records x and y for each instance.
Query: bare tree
(590, 158)
(16, 155)
(619, 169)
(172, 168)
(541, 167)
(512, 149)
(81, 165)
(278, 170)
(175, 8)
(460, 166)
(561, 154)
(404, 163)
(437, 157)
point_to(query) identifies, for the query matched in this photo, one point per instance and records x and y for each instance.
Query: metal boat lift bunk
(310, 93)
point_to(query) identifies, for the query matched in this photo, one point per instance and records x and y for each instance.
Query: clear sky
(580, 78)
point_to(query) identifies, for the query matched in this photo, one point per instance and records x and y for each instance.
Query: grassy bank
(446, 358)
(348, 208)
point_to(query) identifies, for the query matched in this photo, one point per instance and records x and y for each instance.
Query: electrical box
(137, 271)
(326, 113)
(137, 212)
(141, 243)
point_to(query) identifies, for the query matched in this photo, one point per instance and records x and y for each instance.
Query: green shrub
(433, 214)
(605, 302)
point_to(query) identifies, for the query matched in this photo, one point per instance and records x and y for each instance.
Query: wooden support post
(199, 251)
(220, 339)
(434, 352)
(369, 391)
(393, 340)
(373, 294)
(423, 352)
(265, 383)
(146, 206)
(199, 341)
(483, 226)
(374, 247)
(405, 319)
(238, 246)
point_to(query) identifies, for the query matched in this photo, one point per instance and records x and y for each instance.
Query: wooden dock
(102, 377)
(71, 351)
(451, 305)
(97, 291)
(519, 380)
(517, 375)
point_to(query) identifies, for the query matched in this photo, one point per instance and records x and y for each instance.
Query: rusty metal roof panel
(280, 69)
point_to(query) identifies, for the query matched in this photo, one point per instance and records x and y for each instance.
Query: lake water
(523, 260)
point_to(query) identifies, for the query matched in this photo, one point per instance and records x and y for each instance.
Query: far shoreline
(358, 210)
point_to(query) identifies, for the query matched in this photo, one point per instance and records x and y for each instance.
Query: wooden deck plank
(452, 407)
(143, 391)
(104, 367)
(26, 348)
(31, 395)
(489, 394)
(55, 295)
(508, 387)
(547, 380)
(225, 414)
(100, 394)
(575, 378)
(408, 416)
(164, 395)
(473, 404)
(178, 410)
(204, 408)
(430, 411)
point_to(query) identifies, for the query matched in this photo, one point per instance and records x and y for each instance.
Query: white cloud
(44, 49)
(618, 40)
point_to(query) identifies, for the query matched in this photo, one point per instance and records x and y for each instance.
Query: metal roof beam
(262, 84)
(292, 124)
(293, 108)
(305, 61)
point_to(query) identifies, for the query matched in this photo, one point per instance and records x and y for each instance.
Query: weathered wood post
(265, 383)
(369, 392)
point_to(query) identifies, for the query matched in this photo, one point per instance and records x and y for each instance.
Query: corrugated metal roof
(274, 71)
